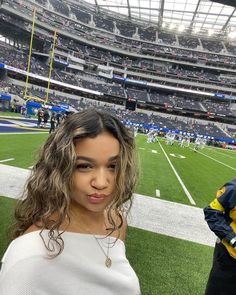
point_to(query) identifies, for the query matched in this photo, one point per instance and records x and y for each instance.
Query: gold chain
(108, 261)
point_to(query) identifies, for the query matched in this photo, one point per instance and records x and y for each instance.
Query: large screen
(130, 104)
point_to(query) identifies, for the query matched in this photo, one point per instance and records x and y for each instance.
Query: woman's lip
(96, 199)
(99, 196)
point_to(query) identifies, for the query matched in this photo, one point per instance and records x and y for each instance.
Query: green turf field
(201, 173)
(165, 265)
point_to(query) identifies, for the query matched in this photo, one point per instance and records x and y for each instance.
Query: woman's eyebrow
(113, 158)
(85, 158)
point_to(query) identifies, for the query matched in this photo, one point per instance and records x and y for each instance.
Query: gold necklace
(108, 261)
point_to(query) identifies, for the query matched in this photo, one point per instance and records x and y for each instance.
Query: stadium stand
(189, 63)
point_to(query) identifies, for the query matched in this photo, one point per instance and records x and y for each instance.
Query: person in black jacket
(52, 122)
(221, 218)
(40, 117)
(46, 117)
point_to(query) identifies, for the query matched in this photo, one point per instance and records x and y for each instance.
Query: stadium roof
(196, 15)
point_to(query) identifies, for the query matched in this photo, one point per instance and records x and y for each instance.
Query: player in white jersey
(151, 136)
(187, 142)
(170, 138)
(203, 143)
(197, 144)
(135, 131)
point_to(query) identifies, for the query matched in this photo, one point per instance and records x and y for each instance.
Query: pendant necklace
(108, 261)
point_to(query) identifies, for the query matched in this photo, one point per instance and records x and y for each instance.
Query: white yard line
(7, 160)
(223, 154)
(178, 177)
(219, 148)
(158, 193)
(217, 161)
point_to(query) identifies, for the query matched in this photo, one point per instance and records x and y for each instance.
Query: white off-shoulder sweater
(79, 270)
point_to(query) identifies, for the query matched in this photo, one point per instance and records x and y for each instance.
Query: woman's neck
(85, 221)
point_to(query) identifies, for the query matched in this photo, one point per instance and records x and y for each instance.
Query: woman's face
(94, 178)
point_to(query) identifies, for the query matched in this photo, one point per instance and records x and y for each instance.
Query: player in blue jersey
(221, 218)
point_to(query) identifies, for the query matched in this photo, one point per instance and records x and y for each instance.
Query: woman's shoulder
(22, 248)
(32, 228)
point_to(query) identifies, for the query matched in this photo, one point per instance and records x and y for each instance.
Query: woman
(71, 223)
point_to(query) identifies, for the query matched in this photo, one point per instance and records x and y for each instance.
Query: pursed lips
(97, 198)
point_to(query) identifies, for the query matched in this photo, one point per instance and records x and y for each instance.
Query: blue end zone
(7, 129)
(18, 125)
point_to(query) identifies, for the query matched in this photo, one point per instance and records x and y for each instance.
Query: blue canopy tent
(32, 105)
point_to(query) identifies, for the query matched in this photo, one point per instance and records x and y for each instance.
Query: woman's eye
(83, 167)
(112, 166)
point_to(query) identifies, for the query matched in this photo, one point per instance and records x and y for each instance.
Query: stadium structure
(163, 64)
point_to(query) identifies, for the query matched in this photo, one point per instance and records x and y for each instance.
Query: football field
(165, 265)
(168, 172)
(182, 175)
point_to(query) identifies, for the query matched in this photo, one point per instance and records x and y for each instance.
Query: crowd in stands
(135, 117)
(155, 119)
(18, 59)
(11, 55)
(218, 107)
(75, 20)
(180, 124)
(176, 49)
(232, 132)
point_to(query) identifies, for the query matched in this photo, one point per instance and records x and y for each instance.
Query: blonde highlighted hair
(48, 189)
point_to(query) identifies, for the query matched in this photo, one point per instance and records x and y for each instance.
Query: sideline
(152, 214)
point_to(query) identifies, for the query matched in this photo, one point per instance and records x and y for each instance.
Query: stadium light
(232, 34)
(172, 26)
(210, 32)
(196, 30)
(181, 28)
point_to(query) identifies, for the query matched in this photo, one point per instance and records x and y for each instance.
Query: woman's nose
(100, 179)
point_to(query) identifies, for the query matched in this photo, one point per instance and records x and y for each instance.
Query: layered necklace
(108, 261)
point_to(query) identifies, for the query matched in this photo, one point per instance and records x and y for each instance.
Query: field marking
(151, 151)
(217, 161)
(178, 156)
(7, 160)
(219, 148)
(178, 177)
(26, 132)
(223, 154)
(158, 193)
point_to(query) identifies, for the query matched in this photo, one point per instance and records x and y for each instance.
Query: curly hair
(48, 189)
